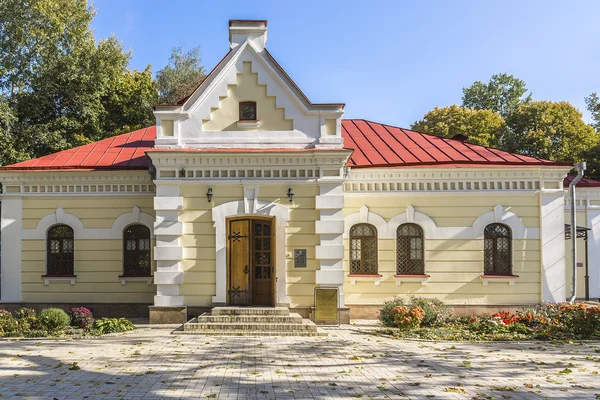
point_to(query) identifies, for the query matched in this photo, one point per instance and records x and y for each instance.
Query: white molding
(248, 124)
(11, 223)
(500, 215)
(375, 279)
(80, 232)
(387, 229)
(59, 279)
(498, 279)
(220, 214)
(125, 279)
(455, 180)
(422, 279)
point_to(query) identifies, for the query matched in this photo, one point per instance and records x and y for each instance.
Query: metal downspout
(580, 170)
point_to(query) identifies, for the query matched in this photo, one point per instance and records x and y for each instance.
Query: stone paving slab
(351, 362)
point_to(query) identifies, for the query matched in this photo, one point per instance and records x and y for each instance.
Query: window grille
(248, 111)
(59, 252)
(363, 250)
(410, 254)
(136, 251)
(497, 250)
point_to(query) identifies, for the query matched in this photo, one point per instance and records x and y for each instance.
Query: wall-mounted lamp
(290, 194)
(182, 173)
(209, 195)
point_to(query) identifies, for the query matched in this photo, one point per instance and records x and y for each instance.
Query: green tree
(549, 130)
(180, 76)
(593, 105)
(63, 88)
(502, 94)
(483, 127)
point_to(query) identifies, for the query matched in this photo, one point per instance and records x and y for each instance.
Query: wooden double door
(251, 274)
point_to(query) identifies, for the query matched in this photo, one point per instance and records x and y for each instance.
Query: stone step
(262, 319)
(237, 326)
(218, 311)
(251, 333)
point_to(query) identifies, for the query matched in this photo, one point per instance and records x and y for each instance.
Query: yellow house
(246, 193)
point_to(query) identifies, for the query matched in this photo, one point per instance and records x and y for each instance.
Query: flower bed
(562, 321)
(54, 322)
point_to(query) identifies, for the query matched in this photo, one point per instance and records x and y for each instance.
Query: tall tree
(483, 127)
(180, 76)
(502, 94)
(549, 130)
(63, 88)
(593, 105)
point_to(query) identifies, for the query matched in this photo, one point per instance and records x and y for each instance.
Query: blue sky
(389, 61)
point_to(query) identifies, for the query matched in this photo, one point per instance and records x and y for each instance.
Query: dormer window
(248, 111)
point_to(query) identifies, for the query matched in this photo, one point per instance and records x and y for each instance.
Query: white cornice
(59, 183)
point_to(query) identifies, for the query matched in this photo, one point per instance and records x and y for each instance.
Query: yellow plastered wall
(454, 265)
(199, 240)
(581, 221)
(247, 89)
(98, 263)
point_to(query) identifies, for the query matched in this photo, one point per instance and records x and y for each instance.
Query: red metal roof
(374, 145)
(127, 151)
(584, 182)
(380, 145)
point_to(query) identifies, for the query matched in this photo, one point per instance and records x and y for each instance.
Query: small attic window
(248, 111)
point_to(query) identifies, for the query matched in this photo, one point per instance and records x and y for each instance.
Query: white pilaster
(552, 227)
(11, 223)
(168, 252)
(593, 222)
(330, 227)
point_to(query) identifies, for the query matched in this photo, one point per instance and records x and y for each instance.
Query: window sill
(140, 278)
(72, 279)
(248, 124)
(411, 278)
(510, 279)
(365, 278)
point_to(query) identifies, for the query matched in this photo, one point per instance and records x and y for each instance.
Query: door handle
(246, 270)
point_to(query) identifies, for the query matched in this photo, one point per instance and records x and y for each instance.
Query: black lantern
(182, 173)
(209, 195)
(290, 194)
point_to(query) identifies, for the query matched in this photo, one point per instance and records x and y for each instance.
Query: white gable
(285, 118)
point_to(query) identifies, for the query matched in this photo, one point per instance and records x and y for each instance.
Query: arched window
(363, 250)
(497, 250)
(59, 251)
(136, 251)
(410, 257)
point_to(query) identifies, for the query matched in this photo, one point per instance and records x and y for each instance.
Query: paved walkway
(350, 363)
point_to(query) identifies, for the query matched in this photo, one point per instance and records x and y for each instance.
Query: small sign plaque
(300, 258)
(326, 306)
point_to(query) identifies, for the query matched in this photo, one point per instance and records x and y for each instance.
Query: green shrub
(53, 319)
(386, 315)
(436, 312)
(27, 319)
(8, 325)
(113, 325)
(580, 319)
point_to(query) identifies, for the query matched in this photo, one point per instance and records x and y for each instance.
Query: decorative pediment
(210, 117)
